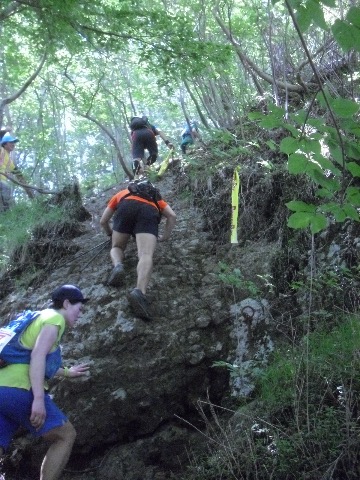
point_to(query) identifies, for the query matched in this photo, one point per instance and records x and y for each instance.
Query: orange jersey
(114, 202)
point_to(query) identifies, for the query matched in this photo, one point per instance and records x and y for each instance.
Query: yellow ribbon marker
(164, 165)
(235, 205)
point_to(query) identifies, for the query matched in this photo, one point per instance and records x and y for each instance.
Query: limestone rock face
(140, 412)
(136, 411)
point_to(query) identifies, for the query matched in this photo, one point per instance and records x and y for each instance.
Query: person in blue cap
(23, 386)
(9, 167)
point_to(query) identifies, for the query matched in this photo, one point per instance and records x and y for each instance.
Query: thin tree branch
(249, 63)
(22, 89)
(26, 186)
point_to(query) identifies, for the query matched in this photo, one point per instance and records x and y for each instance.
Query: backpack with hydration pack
(139, 122)
(12, 351)
(144, 189)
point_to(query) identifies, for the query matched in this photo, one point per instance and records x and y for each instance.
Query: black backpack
(139, 122)
(146, 190)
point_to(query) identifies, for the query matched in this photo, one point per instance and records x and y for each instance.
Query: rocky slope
(136, 413)
(141, 413)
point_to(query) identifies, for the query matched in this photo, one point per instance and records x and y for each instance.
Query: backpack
(139, 122)
(12, 351)
(146, 190)
(188, 129)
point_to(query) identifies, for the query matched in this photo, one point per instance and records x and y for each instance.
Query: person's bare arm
(170, 216)
(44, 343)
(105, 219)
(165, 139)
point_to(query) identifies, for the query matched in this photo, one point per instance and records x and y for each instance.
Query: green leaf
(350, 125)
(344, 107)
(297, 163)
(316, 13)
(320, 97)
(299, 220)
(353, 196)
(309, 145)
(326, 164)
(324, 193)
(317, 223)
(255, 115)
(271, 121)
(303, 17)
(329, 3)
(318, 176)
(272, 145)
(353, 16)
(351, 212)
(336, 153)
(354, 169)
(289, 145)
(339, 215)
(341, 212)
(317, 123)
(347, 35)
(352, 150)
(292, 129)
(299, 206)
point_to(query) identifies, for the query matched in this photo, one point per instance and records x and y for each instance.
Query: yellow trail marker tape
(164, 165)
(235, 205)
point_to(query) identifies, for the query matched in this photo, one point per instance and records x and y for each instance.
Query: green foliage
(315, 149)
(347, 30)
(304, 418)
(326, 359)
(234, 278)
(15, 233)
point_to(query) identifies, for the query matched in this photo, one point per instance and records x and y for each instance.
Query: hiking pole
(103, 245)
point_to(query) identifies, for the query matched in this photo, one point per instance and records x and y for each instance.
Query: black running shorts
(134, 217)
(144, 139)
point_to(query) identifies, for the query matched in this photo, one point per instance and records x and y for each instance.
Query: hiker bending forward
(24, 400)
(139, 217)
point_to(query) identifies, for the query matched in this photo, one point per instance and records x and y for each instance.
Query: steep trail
(143, 374)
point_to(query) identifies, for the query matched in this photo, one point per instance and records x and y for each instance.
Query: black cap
(68, 292)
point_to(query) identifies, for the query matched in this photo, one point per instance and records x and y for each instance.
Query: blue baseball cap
(68, 292)
(8, 138)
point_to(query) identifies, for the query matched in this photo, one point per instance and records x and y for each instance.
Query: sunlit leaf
(344, 107)
(299, 206)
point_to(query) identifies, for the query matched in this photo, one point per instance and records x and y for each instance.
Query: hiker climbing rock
(8, 166)
(23, 388)
(188, 135)
(143, 137)
(137, 211)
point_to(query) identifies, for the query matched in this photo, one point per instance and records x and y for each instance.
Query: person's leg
(117, 254)
(5, 196)
(15, 408)
(137, 166)
(62, 440)
(185, 142)
(138, 151)
(152, 147)
(119, 242)
(146, 243)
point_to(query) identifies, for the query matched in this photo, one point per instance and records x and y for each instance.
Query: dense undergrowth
(301, 421)
(35, 236)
